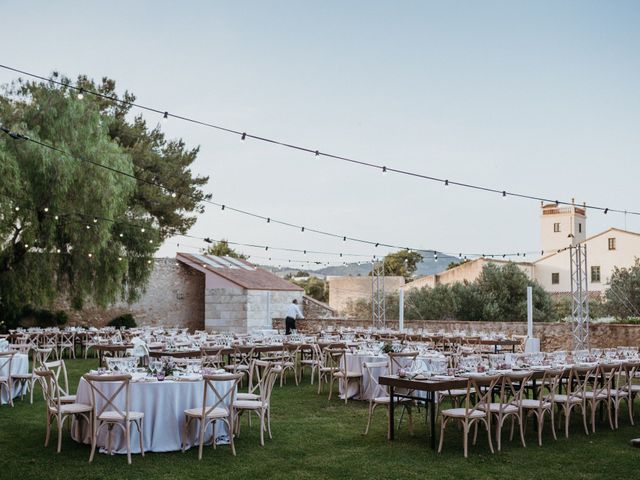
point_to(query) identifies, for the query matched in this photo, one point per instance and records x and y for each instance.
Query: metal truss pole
(378, 304)
(579, 297)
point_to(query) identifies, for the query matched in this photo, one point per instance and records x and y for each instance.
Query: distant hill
(428, 266)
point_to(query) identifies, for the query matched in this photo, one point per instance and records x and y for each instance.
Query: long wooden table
(430, 387)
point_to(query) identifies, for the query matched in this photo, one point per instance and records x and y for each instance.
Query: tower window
(611, 243)
(595, 274)
(555, 278)
(579, 228)
(556, 227)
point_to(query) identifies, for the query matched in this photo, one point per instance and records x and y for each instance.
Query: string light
(165, 117)
(173, 194)
(244, 135)
(446, 184)
(384, 170)
(223, 206)
(17, 209)
(81, 94)
(46, 209)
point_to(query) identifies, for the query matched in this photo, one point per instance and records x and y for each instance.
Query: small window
(579, 228)
(612, 243)
(556, 227)
(555, 278)
(595, 274)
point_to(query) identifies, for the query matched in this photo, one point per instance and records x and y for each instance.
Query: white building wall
(571, 221)
(598, 254)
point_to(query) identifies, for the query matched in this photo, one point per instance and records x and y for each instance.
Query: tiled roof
(237, 271)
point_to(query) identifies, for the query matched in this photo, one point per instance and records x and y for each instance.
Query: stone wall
(240, 311)
(553, 336)
(174, 296)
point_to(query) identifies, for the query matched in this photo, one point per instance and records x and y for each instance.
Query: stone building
(343, 291)
(203, 292)
(238, 296)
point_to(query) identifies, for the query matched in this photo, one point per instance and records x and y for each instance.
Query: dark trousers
(290, 323)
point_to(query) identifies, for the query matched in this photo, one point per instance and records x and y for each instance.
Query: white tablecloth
(367, 389)
(19, 366)
(163, 405)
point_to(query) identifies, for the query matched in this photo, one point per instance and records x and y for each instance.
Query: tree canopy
(69, 226)
(402, 263)
(623, 295)
(222, 249)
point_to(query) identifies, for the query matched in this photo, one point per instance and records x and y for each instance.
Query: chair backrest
(578, 379)
(50, 387)
(108, 402)
(549, 384)
(334, 358)
(398, 360)
(50, 340)
(369, 367)
(258, 370)
(512, 386)
(629, 372)
(606, 372)
(213, 391)
(266, 385)
(243, 355)
(211, 357)
(58, 367)
(482, 386)
(67, 338)
(6, 360)
(40, 356)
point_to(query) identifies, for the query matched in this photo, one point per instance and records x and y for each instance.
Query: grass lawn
(314, 438)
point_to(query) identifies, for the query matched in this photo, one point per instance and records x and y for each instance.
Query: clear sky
(540, 97)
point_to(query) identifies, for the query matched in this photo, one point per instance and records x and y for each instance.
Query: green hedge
(125, 320)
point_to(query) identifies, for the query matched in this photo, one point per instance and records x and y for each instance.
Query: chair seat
(594, 395)
(232, 368)
(456, 392)
(348, 374)
(114, 416)
(310, 362)
(461, 413)
(619, 393)
(250, 404)
(498, 408)
(4, 379)
(22, 376)
(67, 399)
(247, 396)
(382, 400)
(534, 404)
(565, 399)
(217, 412)
(71, 408)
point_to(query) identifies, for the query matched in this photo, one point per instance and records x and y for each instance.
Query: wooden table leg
(391, 432)
(432, 401)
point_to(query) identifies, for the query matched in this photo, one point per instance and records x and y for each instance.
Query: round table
(163, 404)
(19, 366)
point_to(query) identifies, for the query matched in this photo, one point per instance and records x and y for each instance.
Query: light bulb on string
(56, 217)
(17, 209)
(173, 194)
(446, 184)
(384, 170)
(165, 117)
(120, 259)
(121, 235)
(95, 219)
(504, 194)
(81, 94)
(46, 209)
(244, 136)
(302, 230)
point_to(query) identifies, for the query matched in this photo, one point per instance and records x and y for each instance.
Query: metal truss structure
(579, 296)
(378, 304)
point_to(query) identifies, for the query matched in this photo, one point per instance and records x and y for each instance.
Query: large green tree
(56, 211)
(623, 294)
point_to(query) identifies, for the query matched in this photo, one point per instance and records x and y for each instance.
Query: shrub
(125, 320)
(43, 317)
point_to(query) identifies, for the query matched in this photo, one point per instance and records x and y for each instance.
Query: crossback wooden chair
(380, 396)
(626, 385)
(67, 341)
(108, 413)
(262, 406)
(401, 360)
(6, 381)
(289, 361)
(216, 406)
(311, 358)
(577, 379)
(28, 380)
(480, 387)
(59, 369)
(509, 404)
(342, 373)
(211, 357)
(241, 359)
(600, 392)
(543, 404)
(57, 410)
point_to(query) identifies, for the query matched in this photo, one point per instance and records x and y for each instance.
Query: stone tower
(561, 226)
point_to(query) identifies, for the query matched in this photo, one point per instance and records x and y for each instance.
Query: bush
(42, 317)
(125, 320)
